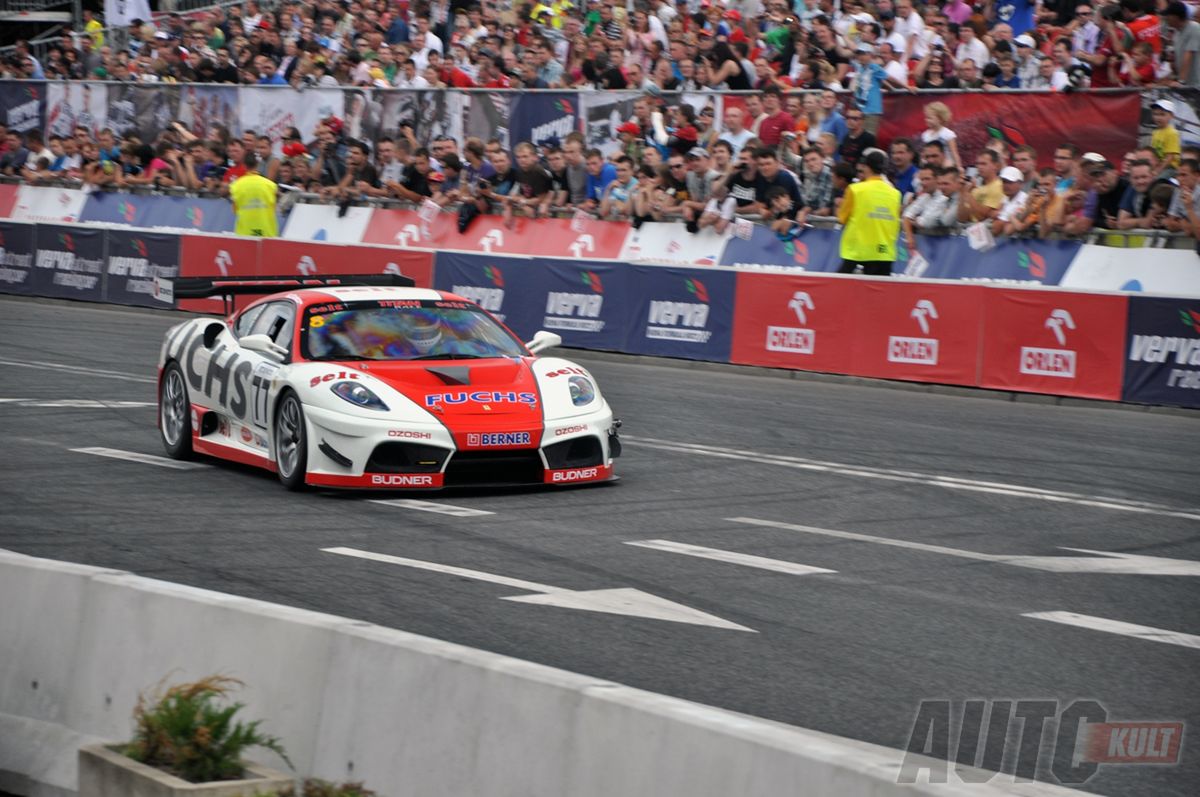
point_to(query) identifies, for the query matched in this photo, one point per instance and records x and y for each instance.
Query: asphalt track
(851, 652)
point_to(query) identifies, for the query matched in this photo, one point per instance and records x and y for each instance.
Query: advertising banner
(216, 256)
(72, 103)
(8, 199)
(510, 288)
(795, 321)
(1174, 272)
(177, 212)
(203, 107)
(1162, 352)
(590, 304)
(307, 258)
(670, 243)
(141, 109)
(134, 259)
(16, 257)
(682, 312)
(1019, 260)
(544, 117)
(23, 104)
(814, 250)
(559, 238)
(1104, 123)
(1067, 344)
(270, 111)
(69, 263)
(322, 223)
(43, 203)
(919, 332)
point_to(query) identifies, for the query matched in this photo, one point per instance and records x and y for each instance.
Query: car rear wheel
(291, 442)
(175, 413)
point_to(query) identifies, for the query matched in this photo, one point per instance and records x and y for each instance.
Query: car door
(277, 321)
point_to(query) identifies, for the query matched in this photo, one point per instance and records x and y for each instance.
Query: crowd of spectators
(784, 155)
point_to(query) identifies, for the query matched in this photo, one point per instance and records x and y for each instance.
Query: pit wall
(406, 714)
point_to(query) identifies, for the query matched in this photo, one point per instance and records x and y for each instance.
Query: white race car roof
(352, 293)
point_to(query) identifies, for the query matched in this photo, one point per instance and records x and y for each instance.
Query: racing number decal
(263, 374)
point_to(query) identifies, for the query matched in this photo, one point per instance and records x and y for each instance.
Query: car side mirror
(543, 340)
(264, 346)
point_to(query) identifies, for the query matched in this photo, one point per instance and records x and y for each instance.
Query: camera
(485, 185)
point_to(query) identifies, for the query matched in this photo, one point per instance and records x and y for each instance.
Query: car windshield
(404, 330)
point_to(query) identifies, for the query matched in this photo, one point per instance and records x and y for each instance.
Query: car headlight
(583, 392)
(358, 394)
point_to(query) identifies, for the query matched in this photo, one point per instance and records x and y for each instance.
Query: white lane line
(431, 506)
(730, 557)
(145, 459)
(1146, 632)
(79, 369)
(914, 477)
(76, 403)
(449, 570)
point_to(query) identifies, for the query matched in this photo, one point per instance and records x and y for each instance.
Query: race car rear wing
(229, 287)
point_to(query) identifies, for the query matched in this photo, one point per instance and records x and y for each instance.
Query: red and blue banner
(682, 312)
(813, 250)
(177, 212)
(1162, 352)
(1012, 259)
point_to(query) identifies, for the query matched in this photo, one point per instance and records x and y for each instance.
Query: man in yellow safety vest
(253, 198)
(870, 217)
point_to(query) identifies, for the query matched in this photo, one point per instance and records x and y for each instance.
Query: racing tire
(175, 413)
(290, 441)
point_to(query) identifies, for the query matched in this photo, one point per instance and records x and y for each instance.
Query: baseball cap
(1097, 167)
(863, 47)
(1092, 157)
(697, 152)
(1011, 174)
(1165, 105)
(629, 127)
(1025, 40)
(733, 14)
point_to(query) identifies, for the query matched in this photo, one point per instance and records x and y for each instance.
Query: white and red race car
(339, 384)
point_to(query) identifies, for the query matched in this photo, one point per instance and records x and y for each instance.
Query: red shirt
(772, 128)
(1146, 28)
(234, 172)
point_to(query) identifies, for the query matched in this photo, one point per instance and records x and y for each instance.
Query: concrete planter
(103, 772)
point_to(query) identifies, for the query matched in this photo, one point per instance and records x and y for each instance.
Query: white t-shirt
(1013, 207)
(944, 135)
(910, 27)
(976, 50)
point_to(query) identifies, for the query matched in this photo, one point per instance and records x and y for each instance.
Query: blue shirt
(904, 180)
(868, 88)
(272, 80)
(834, 123)
(597, 184)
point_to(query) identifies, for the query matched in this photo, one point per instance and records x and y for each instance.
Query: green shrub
(315, 787)
(189, 730)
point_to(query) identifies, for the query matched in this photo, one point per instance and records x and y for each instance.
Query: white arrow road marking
(631, 602)
(731, 557)
(1147, 632)
(431, 506)
(912, 477)
(76, 403)
(6, 400)
(145, 459)
(1105, 562)
(78, 369)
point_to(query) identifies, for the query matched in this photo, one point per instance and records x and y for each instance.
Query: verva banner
(134, 261)
(1067, 344)
(1162, 352)
(918, 332)
(557, 238)
(216, 256)
(682, 312)
(797, 322)
(16, 257)
(1104, 123)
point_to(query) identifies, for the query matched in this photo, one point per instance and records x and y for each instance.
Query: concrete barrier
(406, 714)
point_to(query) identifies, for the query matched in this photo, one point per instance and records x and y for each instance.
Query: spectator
(1025, 159)
(253, 198)
(1165, 138)
(1136, 211)
(857, 141)
(933, 153)
(903, 167)
(776, 121)
(577, 172)
(1015, 200)
(1066, 165)
(1110, 188)
(599, 174)
(1184, 213)
(1186, 44)
(937, 121)
(1043, 204)
(361, 177)
(700, 179)
(982, 202)
(735, 131)
(816, 187)
(834, 122)
(735, 191)
(618, 199)
(531, 193)
(870, 213)
(928, 202)
(772, 175)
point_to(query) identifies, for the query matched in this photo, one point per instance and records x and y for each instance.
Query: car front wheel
(175, 413)
(291, 442)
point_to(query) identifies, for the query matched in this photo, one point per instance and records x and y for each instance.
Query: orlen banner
(921, 332)
(590, 304)
(682, 312)
(69, 263)
(134, 260)
(216, 256)
(1041, 341)
(16, 257)
(308, 258)
(798, 322)
(1162, 352)
(510, 288)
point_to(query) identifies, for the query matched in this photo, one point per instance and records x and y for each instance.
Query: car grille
(494, 467)
(406, 458)
(580, 452)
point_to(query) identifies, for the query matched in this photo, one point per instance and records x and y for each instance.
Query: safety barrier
(1028, 338)
(406, 714)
